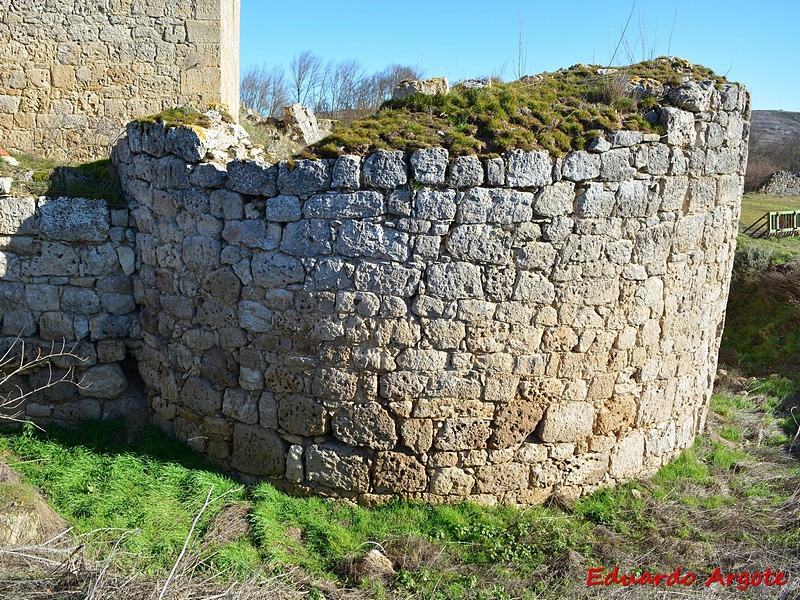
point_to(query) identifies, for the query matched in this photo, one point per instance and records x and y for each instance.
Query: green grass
(755, 204)
(557, 112)
(186, 115)
(37, 177)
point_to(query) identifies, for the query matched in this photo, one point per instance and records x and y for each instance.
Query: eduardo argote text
(742, 581)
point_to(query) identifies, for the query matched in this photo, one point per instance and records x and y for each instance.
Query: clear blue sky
(754, 42)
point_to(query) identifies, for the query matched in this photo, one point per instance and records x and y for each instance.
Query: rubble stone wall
(74, 72)
(783, 183)
(65, 284)
(440, 328)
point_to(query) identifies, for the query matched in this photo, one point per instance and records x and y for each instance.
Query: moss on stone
(558, 112)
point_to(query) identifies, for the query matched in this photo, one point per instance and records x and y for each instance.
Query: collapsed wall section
(74, 72)
(65, 285)
(439, 328)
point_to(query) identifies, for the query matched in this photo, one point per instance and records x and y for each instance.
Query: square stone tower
(73, 72)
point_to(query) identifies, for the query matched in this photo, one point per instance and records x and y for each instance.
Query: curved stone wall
(439, 328)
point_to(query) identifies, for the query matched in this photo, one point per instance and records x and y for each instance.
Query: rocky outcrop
(441, 328)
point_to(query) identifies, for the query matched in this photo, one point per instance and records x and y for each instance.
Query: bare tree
(264, 90)
(304, 75)
(21, 359)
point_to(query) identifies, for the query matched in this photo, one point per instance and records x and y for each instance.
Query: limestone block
(255, 317)
(493, 479)
(294, 464)
(209, 175)
(306, 238)
(284, 209)
(19, 322)
(554, 200)
(435, 205)
(303, 177)
(581, 166)
(171, 172)
(500, 206)
(429, 165)
(680, 126)
(56, 326)
(515, 421)
(9, 104)
(557, 229)
(566, 422)
(109, 351)
(302, 415)
(276, 270)
(346, 172)
(255, 233)
(399, 473)
(692, 95)
(186, 142)
(495, 171)
(450, 480)
(465, 172)
(74, 219)
(199, 395)
(334, 384)
(240, 406)
(528, 168)
(386, 278)
(337, 467)
(400, 385)
(118, 304)
(41, 297)
(105, 381)
(385, 169)
(417, 434)
(533, 288)
(462, 434)
(368, 425)
(227, 204)
(480, 243)
(201, 253)
(658, 159)
(344, 205)
(16, 216)
(628, 456)
(615, 165)
(258, 451)
(660, 440)
(452, 281)
(360, 238)
(253, 178)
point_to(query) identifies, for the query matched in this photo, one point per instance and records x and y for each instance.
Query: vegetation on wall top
(558, 112)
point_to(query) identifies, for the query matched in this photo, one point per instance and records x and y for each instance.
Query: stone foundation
(434, 328)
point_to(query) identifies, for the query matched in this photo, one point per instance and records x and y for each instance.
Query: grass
(187, 115)
(557, 112)
(35, 176)
(755, 204)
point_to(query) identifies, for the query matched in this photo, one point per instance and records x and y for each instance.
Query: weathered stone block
(337, 467)
(429, 165)
(253, 178)
(462, 434)
(385, 169)
(304, 177)
(368, 425)
(465, 172)
(302, 415)
(258, 451)
(103, 381)
(399, 473)
(566, 422)
(529, 168)
(347, 172)
(493, 479)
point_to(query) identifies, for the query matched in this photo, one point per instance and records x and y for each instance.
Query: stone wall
(65, 278)
(440, 328)
(73, 72)
(783, 183)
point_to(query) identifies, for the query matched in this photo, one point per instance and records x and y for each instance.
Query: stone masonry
(65, 279)
(73, 72)
(439, 328)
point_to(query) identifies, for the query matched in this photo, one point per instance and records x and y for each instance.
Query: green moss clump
(557, 112)
(187, 115)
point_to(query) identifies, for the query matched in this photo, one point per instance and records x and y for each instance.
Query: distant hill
(774, 125)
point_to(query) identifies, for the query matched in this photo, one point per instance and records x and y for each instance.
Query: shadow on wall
(65, 283)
